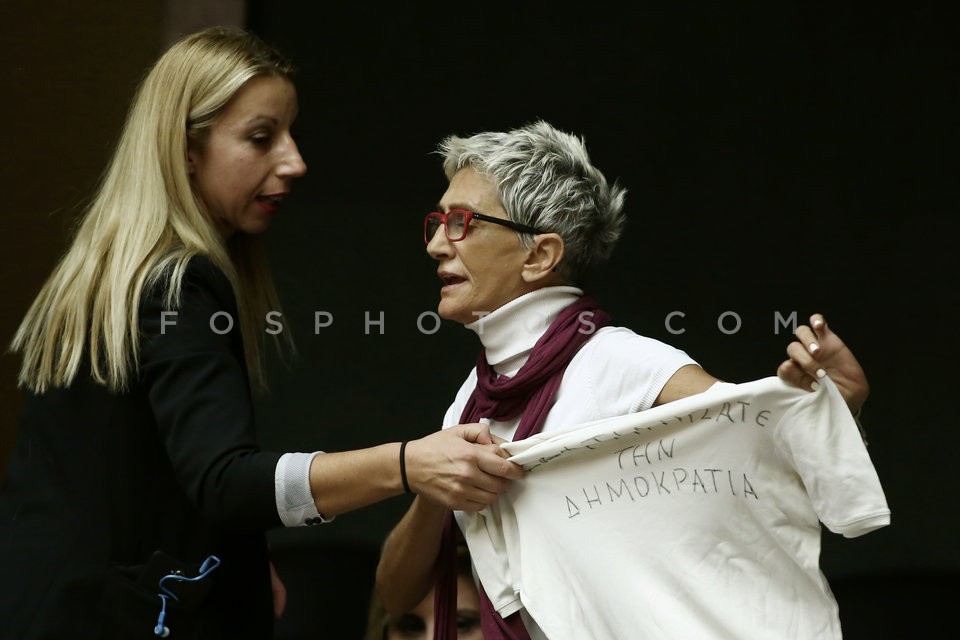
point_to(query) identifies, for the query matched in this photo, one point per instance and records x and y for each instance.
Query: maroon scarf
(530, 392)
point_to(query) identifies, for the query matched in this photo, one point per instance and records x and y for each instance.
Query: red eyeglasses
(456, 222)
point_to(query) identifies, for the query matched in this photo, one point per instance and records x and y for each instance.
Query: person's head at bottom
(417, 624)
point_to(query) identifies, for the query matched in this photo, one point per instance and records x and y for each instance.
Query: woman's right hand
(462, 467)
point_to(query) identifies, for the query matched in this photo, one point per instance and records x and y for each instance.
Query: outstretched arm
(459, 468)
(819, 352)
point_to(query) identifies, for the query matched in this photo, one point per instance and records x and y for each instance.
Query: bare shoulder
(687, 381)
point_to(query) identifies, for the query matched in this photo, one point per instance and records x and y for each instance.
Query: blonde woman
(136, 498)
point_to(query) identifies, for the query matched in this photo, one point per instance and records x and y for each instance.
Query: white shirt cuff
(291, 483)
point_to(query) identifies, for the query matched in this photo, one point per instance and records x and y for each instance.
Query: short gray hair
(545, 180)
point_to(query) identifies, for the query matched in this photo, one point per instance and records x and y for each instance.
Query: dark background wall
(779, 159)
(68, 72)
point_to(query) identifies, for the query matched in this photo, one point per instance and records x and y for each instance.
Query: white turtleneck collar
(509, 333)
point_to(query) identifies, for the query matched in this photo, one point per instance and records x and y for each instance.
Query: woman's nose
(439, 245)
(292, 165)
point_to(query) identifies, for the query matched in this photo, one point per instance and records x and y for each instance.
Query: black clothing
(99, 481)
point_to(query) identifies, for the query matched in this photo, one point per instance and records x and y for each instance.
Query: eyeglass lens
(456, 225)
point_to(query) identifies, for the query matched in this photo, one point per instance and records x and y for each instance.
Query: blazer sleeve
(193, 371)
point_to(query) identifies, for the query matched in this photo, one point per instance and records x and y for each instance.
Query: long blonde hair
(145, 223)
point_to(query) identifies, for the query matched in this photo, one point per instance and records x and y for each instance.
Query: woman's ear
(191, 169)
(544, 256)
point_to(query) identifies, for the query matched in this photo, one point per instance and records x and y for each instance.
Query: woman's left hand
(819, 352)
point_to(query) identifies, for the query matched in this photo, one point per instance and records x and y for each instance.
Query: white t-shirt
(615, 372)
(696, 519)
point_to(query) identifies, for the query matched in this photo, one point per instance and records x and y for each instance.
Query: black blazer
(99, 482)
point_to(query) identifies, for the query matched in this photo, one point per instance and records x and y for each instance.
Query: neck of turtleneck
(510, 333)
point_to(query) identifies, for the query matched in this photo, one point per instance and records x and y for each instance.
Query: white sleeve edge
(863, 525)
(291, 483)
